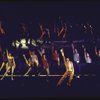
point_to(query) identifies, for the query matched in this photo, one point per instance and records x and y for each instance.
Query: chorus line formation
(39, 51)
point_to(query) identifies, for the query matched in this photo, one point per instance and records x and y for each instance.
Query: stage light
(23, 44)
(29, 41)
(17, 43)
(13, 44)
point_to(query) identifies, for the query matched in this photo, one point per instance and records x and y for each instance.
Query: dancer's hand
(62, 52)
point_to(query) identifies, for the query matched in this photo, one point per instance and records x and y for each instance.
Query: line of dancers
(33, 62)
(57, 31)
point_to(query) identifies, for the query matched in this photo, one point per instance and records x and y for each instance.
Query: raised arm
(84, 51)
(48, 32)
(41, 27)
(7, 53)
(42, 31)
(96, 50)
(25, 59)
(39, 52)
(73, 48)
(63, 55)
(62, 29)
(58, 61)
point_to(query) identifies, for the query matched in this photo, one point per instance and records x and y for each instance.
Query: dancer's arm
(62, 53)
(25, 60)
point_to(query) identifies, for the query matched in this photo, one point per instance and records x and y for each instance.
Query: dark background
(12, 13)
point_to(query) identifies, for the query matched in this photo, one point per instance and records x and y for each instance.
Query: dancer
(69, 70)
(2, 31)
(45, 33)
(76, 58)
(45, 64)
(41, 50)
(9, 65)
(55, 55)
(62, 33)
(4, 60)
(86, 55)
(28, 62)
(55, 61)
(32, 62)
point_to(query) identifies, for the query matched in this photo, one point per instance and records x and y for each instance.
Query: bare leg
(58, 63)
(8, 68)
(12, 73)
(48, 73)
(70, 79)
(28, 71)
(62, 79)
(47, 70)
(2, 66)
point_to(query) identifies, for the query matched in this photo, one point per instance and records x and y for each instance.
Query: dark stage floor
(86, 86)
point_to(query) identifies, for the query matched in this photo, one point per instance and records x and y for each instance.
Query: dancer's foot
(12, 78)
